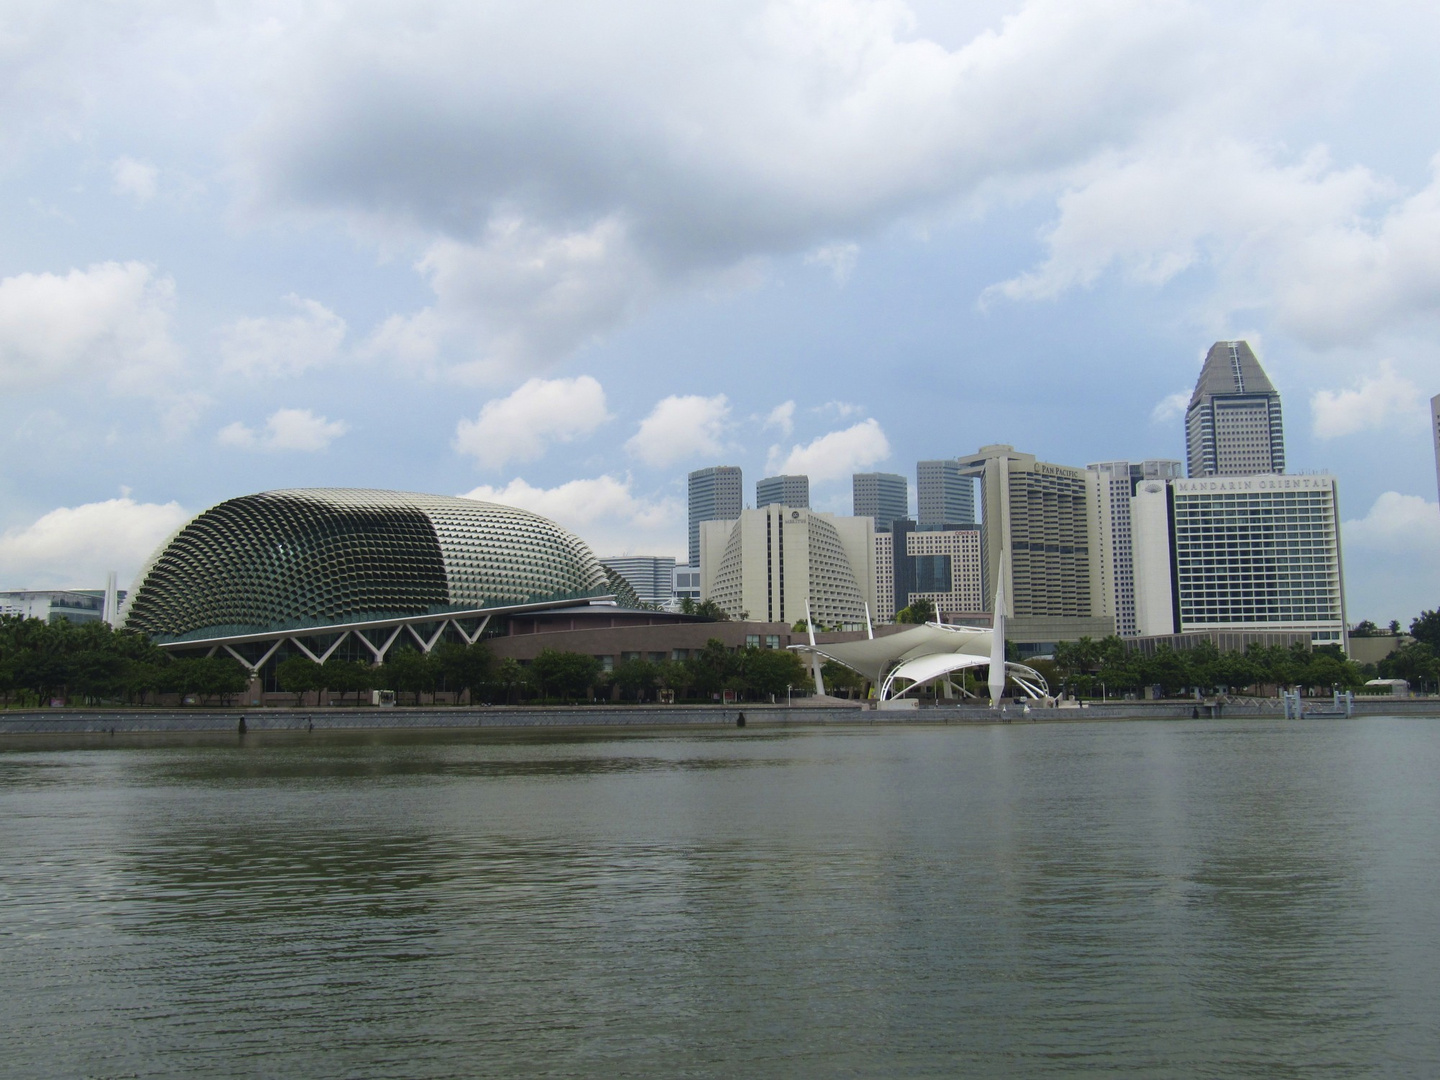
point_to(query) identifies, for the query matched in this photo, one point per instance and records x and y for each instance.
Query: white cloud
(75, 547)
(1170, 407)
(782, 418)
(109, 323)
(672, 156)
(274, 347)
(681, 427)
(1392, 559)
(1375, 404)
(605, 512)
(521, 427)
(1332, 253)
(523, 297)
(286, 429)
(137, 179)
(834, 456)
(1398, 524)
(839, 259)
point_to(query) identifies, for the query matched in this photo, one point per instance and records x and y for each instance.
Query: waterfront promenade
(124, 721)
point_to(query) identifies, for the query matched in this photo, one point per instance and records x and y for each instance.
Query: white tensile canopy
(922, 653)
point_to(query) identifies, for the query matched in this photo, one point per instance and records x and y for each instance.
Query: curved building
(286, 563)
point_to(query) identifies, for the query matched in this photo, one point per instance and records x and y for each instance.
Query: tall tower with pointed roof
(1233, 427)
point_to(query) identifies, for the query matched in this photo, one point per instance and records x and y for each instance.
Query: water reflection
(1169, 899)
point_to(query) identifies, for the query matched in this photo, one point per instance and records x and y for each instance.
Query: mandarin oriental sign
(1254, 483)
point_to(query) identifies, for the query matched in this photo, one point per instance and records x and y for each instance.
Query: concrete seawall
(101, 721)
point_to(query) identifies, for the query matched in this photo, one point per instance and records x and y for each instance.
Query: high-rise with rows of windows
(944, 495)
(716, 494)
(783, 491)
(1233, 425)
(883, 497)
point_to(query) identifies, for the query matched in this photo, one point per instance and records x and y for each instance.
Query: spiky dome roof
(318, 556)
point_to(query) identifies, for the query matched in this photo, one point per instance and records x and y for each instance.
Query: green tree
(836, 677)
(1426, 627)
(1365, 628)
(711, 668)
(634, 678)
(711, 610)
(508, 676)
(463, 667)
(408, 671)
(920, 610)
(767, 672)
(565, 674)
(298, 675)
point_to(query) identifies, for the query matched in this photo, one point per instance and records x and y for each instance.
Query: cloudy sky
(560, 254)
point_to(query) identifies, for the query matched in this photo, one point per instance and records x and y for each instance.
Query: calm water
(1162, 899)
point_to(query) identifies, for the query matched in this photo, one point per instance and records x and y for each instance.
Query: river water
(1187, 899)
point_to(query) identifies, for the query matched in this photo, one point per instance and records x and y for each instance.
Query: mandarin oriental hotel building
(1248, 553)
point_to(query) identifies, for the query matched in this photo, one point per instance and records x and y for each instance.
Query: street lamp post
(787, 695)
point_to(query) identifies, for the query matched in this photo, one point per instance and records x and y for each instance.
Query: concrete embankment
(120, 721)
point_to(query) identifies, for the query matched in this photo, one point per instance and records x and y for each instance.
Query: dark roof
(1230, 368)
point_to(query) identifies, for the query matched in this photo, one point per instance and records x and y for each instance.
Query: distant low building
(651, 576)
(53, 605)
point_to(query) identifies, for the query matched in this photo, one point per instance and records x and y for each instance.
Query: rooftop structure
(1233, 425)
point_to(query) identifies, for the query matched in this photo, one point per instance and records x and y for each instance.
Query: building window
(607, 663)
(752, 641)
(772, 641)
(679, 654)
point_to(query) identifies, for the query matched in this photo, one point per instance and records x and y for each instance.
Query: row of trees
(1090, 668)
(555, 675)
(90, 662)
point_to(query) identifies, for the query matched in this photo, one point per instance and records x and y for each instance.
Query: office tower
(1112, 485)
(772, 561)
(716, 494)
(882, 497)
(1435, 434)
(651, 576)
(1038, 530)
(1246, 553)
(939, 565)
(1151, 572)
(944, 495)
(784, 491)
(1233, 427)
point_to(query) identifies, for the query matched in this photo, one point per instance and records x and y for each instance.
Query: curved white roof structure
(920, 654)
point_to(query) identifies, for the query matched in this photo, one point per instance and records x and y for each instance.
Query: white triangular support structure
(997, 638)
(814, 656)
(869, 629)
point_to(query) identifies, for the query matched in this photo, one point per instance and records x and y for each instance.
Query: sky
(559, 255)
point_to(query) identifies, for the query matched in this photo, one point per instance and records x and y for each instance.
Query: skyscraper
(1112, 484)
(882, 496)
(1039, 532)
(716, 494)
(943, 494)
(1242, 554)
(783, 491)
(1232, 426)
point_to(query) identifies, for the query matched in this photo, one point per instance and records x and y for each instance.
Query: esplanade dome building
(314, 566)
